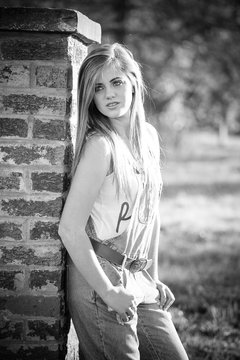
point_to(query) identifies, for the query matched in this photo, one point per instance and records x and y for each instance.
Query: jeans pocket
(114, 273)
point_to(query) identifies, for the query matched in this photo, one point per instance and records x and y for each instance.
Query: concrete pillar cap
(49, 20)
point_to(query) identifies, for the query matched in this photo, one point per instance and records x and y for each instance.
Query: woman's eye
(98, 88)
(118, 82)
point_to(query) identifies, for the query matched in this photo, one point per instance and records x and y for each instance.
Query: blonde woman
(110, 222)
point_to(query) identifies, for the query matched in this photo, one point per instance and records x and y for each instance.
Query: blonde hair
(92, 121)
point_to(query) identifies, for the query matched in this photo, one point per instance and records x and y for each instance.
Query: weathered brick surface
(11, 280)
(44, 330)
(12, 330)
(46, 280)
(34, 352)
(41, 51)
(10, 230)
(26, 255)
(51, 77)
(15, 75)
(50, 130)
(49, 181)
(77, 51)
(33, 155)
(22, 207)
(51, 20)
(13, 127)
(25, 104)
(48, 47)
(68, 156)
(10, 181)
(41, 230)
(52, 306)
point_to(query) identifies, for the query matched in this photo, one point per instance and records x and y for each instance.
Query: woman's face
(113, 93)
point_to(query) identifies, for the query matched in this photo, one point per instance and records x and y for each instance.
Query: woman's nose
(110, 93)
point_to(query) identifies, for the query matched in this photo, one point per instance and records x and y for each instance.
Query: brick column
(40, 54)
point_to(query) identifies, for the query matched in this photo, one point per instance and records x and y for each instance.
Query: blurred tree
(189, 51)
(191, 48)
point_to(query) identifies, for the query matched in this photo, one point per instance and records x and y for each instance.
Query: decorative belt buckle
(137, 265)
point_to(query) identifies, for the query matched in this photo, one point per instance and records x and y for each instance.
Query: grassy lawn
(200, 245)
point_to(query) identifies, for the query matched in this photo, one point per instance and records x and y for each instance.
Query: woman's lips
(112, 104)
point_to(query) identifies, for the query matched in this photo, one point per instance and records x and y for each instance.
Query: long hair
(90, 120)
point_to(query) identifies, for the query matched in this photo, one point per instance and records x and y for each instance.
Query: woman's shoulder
(97, 152)
(98, 143)
(95, 157)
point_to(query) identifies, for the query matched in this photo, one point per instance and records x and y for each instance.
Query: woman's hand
(166, 296)
(121, 301)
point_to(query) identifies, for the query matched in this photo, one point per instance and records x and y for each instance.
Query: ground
(200, 244)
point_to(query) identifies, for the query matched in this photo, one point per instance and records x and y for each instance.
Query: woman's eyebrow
(116, 78)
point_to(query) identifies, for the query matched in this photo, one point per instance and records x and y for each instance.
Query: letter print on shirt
(122, 214)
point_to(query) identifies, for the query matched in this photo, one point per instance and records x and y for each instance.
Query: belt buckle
(137, 265)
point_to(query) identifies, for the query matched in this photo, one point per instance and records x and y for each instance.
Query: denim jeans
(150, 335)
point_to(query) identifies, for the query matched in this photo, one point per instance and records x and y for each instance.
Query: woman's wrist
(107, 294)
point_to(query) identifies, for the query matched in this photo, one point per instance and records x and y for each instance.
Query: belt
(133, 265)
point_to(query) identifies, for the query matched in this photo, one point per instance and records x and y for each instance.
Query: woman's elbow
(62, 231)
(69, 233)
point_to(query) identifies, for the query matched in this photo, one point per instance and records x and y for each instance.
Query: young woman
(110, 223)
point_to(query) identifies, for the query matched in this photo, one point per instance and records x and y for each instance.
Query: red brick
(35, 155)
(46, 280)
(22, 207)
(33, 104)
(10, 230)
(11, 280)
(13, 127)
(10, 181)
(44, 230)
(51, 306)
(15, 75)
(48, 47)
(51, 77)
(51, 130)
(44, 330)
(49, 181)
(26, 255)
(68, 156)
(11, 330)
(32, 352)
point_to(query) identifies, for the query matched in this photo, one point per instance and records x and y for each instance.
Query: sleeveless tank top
(117, 220)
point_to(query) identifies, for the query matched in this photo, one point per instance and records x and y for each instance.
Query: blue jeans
(150, 335)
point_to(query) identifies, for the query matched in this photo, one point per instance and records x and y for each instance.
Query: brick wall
(40, 54)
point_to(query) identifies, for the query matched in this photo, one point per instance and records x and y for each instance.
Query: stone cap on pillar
(50, 20)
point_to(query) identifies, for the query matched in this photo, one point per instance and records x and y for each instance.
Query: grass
(200, 245)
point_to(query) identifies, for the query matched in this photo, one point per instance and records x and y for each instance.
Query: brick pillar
(40, 54)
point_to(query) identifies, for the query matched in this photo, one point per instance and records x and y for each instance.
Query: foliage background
(189, 51)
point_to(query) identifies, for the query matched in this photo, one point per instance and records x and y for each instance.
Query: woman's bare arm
(88, 179)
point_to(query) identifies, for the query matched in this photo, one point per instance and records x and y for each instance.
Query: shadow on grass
(204, 276)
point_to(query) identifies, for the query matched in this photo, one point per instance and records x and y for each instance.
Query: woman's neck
(122, 126)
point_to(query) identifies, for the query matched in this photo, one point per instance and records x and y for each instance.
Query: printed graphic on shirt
(123, 214)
